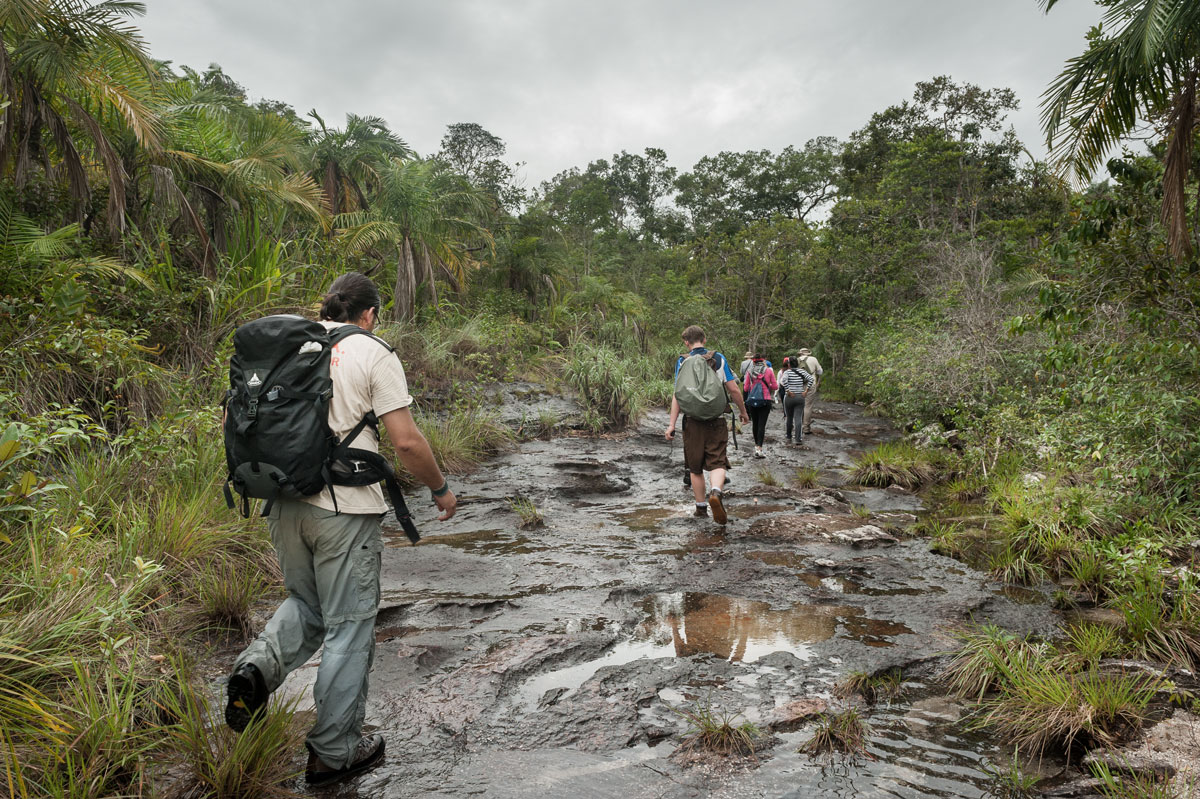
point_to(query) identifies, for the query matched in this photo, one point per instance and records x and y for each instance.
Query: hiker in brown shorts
(704, 387)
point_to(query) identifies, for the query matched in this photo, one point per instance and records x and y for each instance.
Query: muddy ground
(555, 661)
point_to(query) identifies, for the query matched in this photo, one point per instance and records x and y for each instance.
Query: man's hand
(670, 433)
(447, 503)
(745, 417)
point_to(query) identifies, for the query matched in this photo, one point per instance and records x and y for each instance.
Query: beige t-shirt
(366, 377)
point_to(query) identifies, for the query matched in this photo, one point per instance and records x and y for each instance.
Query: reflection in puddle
(736, 629)
(689, 623)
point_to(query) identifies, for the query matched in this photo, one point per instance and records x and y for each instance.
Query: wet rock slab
(558, 661)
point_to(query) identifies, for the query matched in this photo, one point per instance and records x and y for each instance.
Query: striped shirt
(796, 381)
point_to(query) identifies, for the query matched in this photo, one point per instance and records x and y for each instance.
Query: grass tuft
(872, 687)
(718, 734)
(894, 463)
(766, 476)
(531, 516)
(845, 733)
(807, 477)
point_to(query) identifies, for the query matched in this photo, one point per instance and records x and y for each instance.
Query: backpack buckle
(252, 408)
(273, 394)
(357, 467)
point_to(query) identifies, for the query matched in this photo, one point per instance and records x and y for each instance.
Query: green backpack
(699, 389)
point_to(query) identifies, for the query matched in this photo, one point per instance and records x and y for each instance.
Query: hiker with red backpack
(301, 433)
(759, 388)
(704, 387)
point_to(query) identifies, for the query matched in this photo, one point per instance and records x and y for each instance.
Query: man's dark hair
(693, 334)
(348, 297)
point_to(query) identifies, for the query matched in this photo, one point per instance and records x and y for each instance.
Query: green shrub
(605, 383)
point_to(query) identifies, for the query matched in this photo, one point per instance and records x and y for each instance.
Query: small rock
(866, 536)
(897, 489)
(792, 716)
(825, 563)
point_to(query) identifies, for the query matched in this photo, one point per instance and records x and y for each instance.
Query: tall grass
(894, 463)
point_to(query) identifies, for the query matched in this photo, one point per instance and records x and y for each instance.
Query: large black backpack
(278, 444)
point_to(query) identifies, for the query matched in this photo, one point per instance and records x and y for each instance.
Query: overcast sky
(566, 82)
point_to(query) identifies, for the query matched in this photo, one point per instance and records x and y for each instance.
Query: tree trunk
(404, 299)
(425, 277)
(1178, 166)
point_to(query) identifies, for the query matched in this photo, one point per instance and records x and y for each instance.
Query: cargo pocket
(365, 572)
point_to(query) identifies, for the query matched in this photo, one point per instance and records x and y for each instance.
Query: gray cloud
(564, 82)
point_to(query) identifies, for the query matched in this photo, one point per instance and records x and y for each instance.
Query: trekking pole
(733, 427)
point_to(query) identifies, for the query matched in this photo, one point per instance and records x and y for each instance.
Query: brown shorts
(704, 444)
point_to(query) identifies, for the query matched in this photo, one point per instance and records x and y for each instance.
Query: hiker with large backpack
(795, 384)
(704, 388)
(301, 422)
(759, 389)
(809, 363)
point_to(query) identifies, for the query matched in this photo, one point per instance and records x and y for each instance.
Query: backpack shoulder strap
(346, 331)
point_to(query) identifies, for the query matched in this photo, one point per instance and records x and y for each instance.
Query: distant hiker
(810, 364)
(329, 544)
(795, 384)
(704, 387)
(760, 388)
(787, 362)
(747, 362)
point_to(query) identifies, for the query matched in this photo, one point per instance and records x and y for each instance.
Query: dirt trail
(546, 662)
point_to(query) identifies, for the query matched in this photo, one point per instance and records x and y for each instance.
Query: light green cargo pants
(330, 568)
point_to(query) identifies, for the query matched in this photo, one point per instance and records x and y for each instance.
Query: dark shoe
(247, 691)
(367, 756)
(808, 431)
(718, 507)
(687, 479)
(701, 512)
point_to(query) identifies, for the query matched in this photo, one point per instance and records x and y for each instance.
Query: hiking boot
(247, 691)
(687, 479)
(367, 756)
(701, 512)
(718, 507)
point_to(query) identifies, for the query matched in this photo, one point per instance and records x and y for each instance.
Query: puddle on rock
(644, 519)
(790, 560)
(488, 542)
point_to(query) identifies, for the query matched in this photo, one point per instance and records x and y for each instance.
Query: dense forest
(1035, 324)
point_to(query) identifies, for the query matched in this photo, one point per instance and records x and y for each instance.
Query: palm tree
(430, 215)
(1142, 63)
(347, 162)
(223, 157)
(73, 71)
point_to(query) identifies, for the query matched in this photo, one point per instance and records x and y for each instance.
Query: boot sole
(718, 509)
